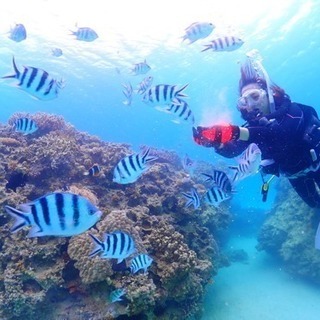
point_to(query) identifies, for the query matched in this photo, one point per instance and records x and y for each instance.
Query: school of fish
(64, 214)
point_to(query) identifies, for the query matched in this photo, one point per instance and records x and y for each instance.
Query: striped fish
(140, 68)
(18, 33)
(164, 94)
(198, 30)
(85, 34)
(141, 261)
(130, 168)
(25, 126)
(193, 198)
(56, 214)
(37, 82)
(220, 179)
(116, 245)
(187, 163)
(144, 85)
(94, 171)
(248, 163)
(128, 91)
(215, 195)
(227, 43)
(56, 52)
(182, 111)
(116, 295)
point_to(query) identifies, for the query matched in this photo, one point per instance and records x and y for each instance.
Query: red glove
(213, 136)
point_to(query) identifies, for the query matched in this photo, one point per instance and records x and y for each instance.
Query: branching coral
(84, 192)
(52, 152)
(151, 210)
(29, 273)
(91, 269)
(97, 269)
(11, 142)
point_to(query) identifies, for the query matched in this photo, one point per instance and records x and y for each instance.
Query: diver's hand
(215, 135)
(202, 139)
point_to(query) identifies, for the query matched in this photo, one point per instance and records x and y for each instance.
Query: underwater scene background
(244, 259)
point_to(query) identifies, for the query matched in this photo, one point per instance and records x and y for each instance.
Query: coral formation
(46, 274)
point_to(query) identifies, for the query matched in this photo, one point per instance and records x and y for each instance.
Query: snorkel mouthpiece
(250, 115)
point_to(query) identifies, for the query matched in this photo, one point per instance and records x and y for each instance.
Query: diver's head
(258, 96)
(253, 101)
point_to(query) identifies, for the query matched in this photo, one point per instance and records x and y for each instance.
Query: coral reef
(289, 234)
(57, 277)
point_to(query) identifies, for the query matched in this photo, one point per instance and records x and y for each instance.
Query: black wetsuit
(282, 139)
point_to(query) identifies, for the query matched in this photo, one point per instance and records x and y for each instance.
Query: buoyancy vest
(311, 132)
(307, 140)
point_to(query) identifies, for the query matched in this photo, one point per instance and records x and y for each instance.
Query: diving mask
(251, 99)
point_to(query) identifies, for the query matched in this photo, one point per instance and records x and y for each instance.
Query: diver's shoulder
(304, 108)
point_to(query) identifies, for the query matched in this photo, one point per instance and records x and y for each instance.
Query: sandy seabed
(259, 289)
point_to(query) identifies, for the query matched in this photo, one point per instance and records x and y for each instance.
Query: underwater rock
(238, 255)
(288, 234)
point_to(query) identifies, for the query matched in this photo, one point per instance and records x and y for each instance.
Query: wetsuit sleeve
(269, 134)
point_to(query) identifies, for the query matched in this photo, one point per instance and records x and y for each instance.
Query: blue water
(286, 33)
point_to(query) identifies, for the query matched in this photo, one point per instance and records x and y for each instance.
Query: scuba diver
(287, 133)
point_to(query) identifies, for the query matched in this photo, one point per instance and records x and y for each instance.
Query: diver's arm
(284, 129)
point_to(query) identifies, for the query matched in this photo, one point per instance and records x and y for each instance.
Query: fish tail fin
(133, 270)
(207, 47)
(150, 159)
(146, 158)
(16, 70)
(179, 92)
(236, 173)
(21, 217)
(196, 198)
(193, 198)
(99, 246)
(189, 198)
(209, 177)
(185, 37)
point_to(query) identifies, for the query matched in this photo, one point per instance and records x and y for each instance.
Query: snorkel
(256, 59)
